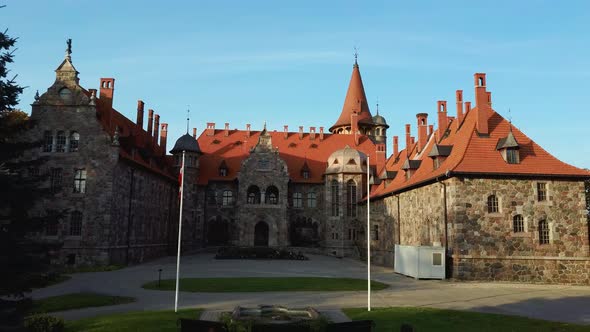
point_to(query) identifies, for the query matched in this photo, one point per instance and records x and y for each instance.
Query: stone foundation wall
(573, 271)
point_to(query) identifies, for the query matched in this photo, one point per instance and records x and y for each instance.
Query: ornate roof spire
(69, 49)
(66, 70)
(355, 102)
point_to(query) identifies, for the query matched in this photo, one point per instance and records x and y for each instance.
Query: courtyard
(549, 302)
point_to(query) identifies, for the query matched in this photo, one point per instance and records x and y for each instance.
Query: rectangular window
(541, 191)
(297, 200)
(543, 232)
(76, 223)
(335, 199)
(80, 181)
(55, 177)
(517, 224)
(436, 259)
(228, 198)
(311, 200)
(47, 141)
(512, 156)
(60, 142)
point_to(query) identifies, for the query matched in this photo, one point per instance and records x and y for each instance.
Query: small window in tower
(481, 81)
(351, 162)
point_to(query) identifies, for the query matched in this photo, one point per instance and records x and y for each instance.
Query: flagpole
(179, 232)
(368, 238)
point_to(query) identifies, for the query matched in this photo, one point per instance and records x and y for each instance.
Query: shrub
(257, 253)
(44, 323)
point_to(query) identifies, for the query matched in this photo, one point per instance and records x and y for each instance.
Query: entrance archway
(261, 234)
(217, 232)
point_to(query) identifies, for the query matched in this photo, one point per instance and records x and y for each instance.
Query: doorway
(261, 234)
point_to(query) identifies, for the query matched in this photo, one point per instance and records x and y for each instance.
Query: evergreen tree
(24, 260)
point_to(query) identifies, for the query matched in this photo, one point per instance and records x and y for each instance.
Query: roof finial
(188, 112)
(356, 55)
(69, 49)
(510, 119)
(377, 105)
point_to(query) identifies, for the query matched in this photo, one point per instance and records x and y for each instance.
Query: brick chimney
(380, 154)
(395, 146)
(286, 131)
(156, 129)
(195, 133)
(210, 131)
(482, 103)
(467, 108)
(163, 137)
(107, 89)
(150, 121)
(248, 130)
(422, 129)
(226, 129)
(300, 132)
(459, 98)
(441, 107)
(321, 133)
(312, 133)
(140, 105)
(408, 138)
(430, 130)
(354, 123)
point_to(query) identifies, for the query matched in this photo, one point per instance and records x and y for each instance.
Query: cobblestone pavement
(552, 302)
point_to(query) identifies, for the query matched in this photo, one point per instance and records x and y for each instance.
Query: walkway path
(551, 302)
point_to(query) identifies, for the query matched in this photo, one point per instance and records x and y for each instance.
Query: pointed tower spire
(66, 72)
(355, 102)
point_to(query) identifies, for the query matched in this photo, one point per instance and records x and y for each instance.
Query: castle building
(501, 206)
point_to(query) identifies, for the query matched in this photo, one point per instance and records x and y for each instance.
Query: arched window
(253, 195)
(351, 198)
(517, 224)
(47, 141)
(228, 198)
(272, 195)
(335, 198)
(311, 199)
(60, 142)
(543, 232)
(492, 204)
(74, 141)
(297, 200)
(76, 223)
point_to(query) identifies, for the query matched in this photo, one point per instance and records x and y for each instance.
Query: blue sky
(289, 63)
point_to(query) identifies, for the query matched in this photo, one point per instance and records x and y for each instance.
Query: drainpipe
(129, 217)
(399, 224)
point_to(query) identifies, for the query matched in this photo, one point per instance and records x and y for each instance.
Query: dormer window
(439, 154)
(509, 149)
(410, 166)
(222, 169)
(305, 174)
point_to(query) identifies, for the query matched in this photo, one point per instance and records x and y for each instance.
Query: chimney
(163, 137)
(321, 133)
(210, 131)
(467, 107)
(354, 123)
(422, 129)
(408, 139)
(286, 131)
(247, 130)
(459, 97)
(195, 133)
(413, 140)
(430, 130)
(150, 121)
(395, 145)
(140, 114)
(156, 129)
(312, 133)
(482, 103)
(442, 117)
(226, 130)
(300, 132)
(107, 89)
(380, 154)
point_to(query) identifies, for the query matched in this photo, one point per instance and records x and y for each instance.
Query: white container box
(420, 262)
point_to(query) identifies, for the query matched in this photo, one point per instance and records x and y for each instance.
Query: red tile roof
(235, 147)
(355, 101)
(472, 154)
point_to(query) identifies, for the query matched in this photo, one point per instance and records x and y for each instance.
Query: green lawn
(148, 321)
(429, 319)
(77, 301)
(220, 285)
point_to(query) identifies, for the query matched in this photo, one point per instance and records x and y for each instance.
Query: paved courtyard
(551, 302)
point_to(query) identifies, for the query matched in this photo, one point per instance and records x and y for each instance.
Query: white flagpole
(368, 238)
(179, 232)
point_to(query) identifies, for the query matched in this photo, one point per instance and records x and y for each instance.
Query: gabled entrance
(261, 234)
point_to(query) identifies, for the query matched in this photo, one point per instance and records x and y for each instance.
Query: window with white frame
(80, 181)
(228, 198)
(517, 224)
